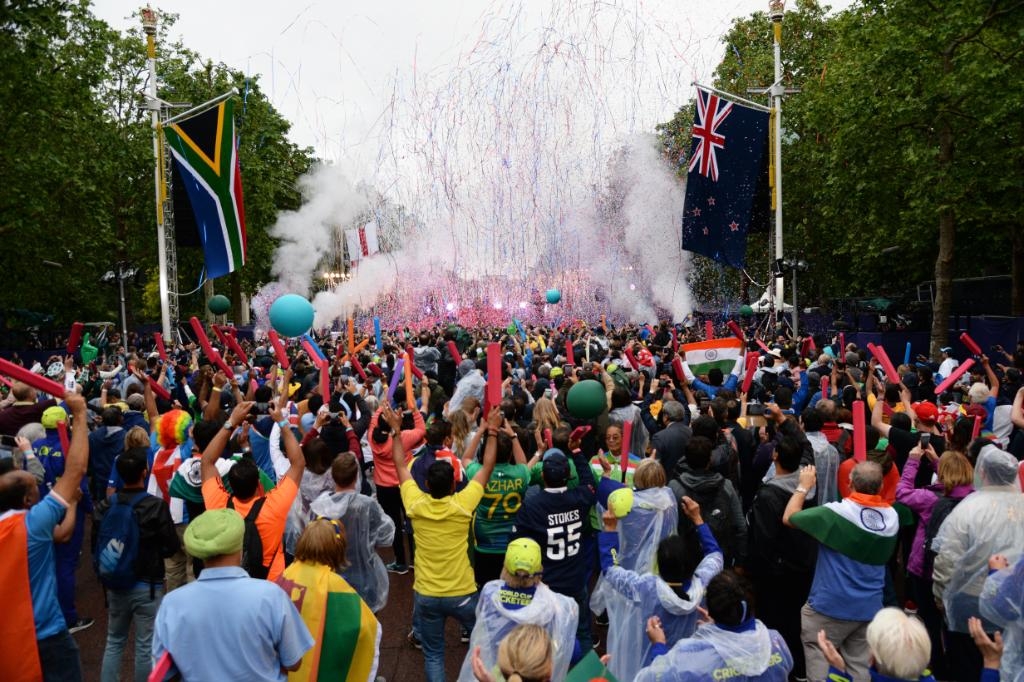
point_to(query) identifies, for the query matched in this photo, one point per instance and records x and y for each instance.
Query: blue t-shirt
(846, 589)
(40, 521)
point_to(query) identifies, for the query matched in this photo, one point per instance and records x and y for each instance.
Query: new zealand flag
(727, 182)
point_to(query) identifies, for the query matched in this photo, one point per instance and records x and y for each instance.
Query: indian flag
(347, 633)
(19, 657)
(863, 531)
(704, 356)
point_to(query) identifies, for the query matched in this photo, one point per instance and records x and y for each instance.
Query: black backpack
(940, 511)
(252, 543)
(716, 511)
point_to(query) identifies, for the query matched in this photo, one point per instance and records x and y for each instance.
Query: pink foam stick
(160, 347)
(62, 433)
(325, 381)
(158, 388)
(75, 337)
(677, 369)
(883, 359)
(627, 438)
(735, 329)
(569, 359)
(358, 367)
(36, 381)
(416, 371)
(860, 435)
(161, 669)
(824, 388)
(748, 377)
(966, 339)
(675, 340)
(453, 350)
(976, 431)
(955, 376)
(709, 330)
(493, 374)
(279, 352)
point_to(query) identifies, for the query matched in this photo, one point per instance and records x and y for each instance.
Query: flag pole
(775, 11)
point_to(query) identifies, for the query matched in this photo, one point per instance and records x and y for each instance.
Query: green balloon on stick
(219, 304)
(586, 399)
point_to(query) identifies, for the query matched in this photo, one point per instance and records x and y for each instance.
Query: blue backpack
(117, 545)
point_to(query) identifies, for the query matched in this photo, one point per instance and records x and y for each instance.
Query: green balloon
(746, 311)
(586, 399)
(219, 304)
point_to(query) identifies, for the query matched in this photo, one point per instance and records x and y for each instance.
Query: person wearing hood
(520, 597)
(735, 645)
(931, 504)
(719, 503)
(987, 522)
(1002, 602)
(632, 594)
(781, 559)
(105, 444)
(367, 527)
(471, 383)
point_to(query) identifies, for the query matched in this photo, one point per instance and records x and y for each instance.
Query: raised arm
(76, 460)
(394, 420)
(993, 380)
(208, 463)
(212, 409)
(876, 418)
(292, 449)
(493, 426)
(808, 477)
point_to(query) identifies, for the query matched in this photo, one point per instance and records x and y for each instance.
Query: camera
(663, 383)
(926, 439)
(755, 409)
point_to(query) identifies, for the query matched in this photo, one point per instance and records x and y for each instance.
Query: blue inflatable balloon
(291, 315)
(553, 296)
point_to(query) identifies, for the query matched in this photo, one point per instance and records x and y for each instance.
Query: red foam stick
(735, 329)
(748, 376)
(204, 342)
(161, 669)
(762, 346)
(810, 343)
(627, 438)
(883, 358)
(36, 381)
(976, 431)
(709, 330)
(75, 338)
(632, 359)
(160, 347)
(65, 442)
(279, 352)
(966, 339)
(569, 359)
(675, 340)
(493, 374)
(842, 345)
(952, 378)
(453, 350)
(158, 388)
(824, 388)
(416, 371)
(310, 349)
(860, 434)
(677, 369)
(547, 438)
(235, 347)
(325, 381)
(221, 336)
(358, 368)
(6, 382)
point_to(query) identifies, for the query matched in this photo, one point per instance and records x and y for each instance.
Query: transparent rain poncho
(554, 612)
(1002, 603)
(988, 521)
(366, 528)
(717, 654)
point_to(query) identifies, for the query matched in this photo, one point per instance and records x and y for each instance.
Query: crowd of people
(806, 516)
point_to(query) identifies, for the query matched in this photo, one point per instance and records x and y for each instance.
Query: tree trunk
(208, 292)
(236, 298)
(947, 235)
(1017, 270)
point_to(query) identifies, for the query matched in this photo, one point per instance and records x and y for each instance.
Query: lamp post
(123, 270)
(792, 266)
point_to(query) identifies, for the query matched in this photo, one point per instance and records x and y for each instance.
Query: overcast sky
(335, 68)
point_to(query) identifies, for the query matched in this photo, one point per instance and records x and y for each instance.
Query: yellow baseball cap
(523, 555)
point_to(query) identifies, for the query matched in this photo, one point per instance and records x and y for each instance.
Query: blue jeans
(59, 657)
(429, 614)
(124, 605)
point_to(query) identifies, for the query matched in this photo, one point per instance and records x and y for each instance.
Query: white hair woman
(899, 644)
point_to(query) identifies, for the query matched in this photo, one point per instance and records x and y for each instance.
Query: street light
(793, 266)
(123, 270)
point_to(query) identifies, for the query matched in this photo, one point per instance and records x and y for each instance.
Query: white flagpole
(775, 11)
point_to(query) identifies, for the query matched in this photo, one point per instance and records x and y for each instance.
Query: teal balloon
(219, 304)
(746, 311)
(553, 296)
(291, 315)
(586, 399)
